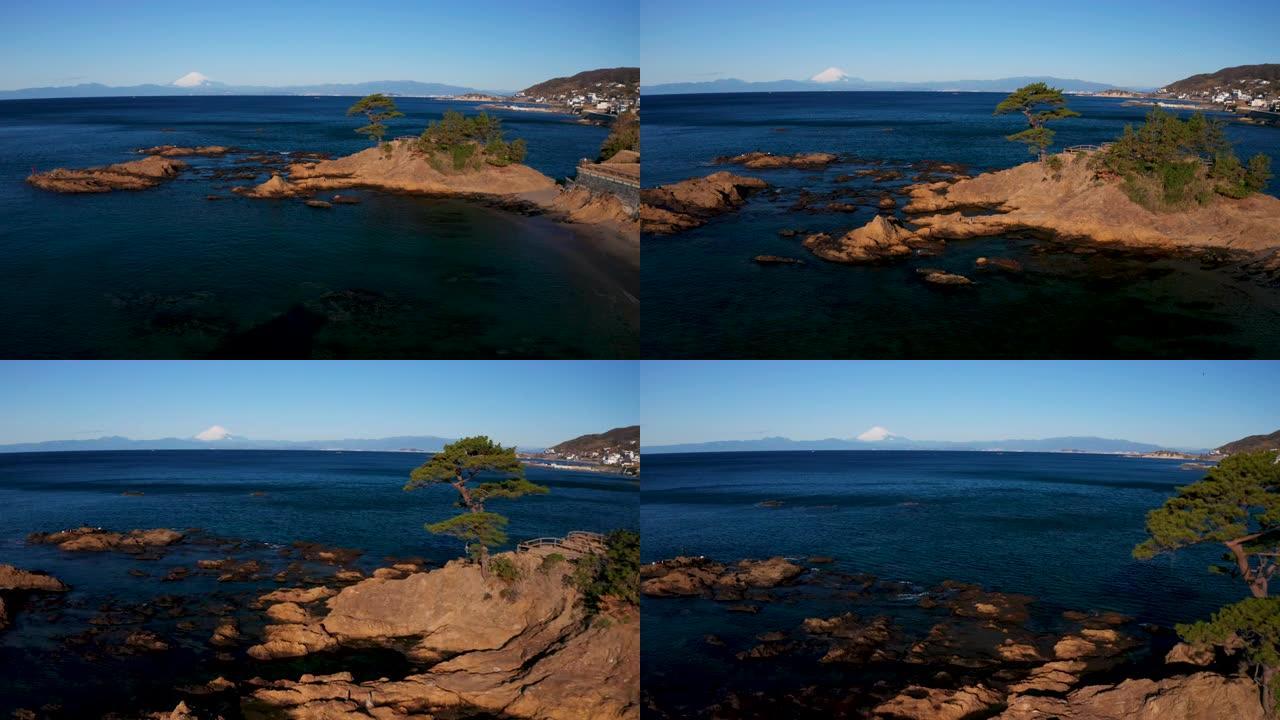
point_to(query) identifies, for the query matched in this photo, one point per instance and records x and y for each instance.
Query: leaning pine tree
(1238, 505)
(462, 463)
(1040, 104)
(377, 108)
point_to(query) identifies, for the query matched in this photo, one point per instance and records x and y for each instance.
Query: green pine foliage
(504, 569)
(1169, 163)
(614, 575)
(1039, 103)
(624, 135)
(1253, 623)
(469, 142)
(377, 108)
(460, 465)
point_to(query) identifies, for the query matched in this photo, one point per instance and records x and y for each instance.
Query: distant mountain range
(226, 441)
(879, 439)
(834, 80)
(197, 84)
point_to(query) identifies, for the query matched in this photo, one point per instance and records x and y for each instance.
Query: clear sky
(533, 404)
(1175, 404)
(494, 45)
(1122, 42)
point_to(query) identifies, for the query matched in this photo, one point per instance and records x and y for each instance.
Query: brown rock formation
(919, 703)
(524, 649)
(580, 205)
(769, 161)
(1079, 205)
(98, 540)
(176, 151)
(685, 576)
(1190, 654)
(136, 175)
(12, 578)
(879, 239)
(275, 187)
(690, 203)
(1203, 696)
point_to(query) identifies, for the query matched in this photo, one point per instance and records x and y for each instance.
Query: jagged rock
(136, 175)
(275, 187)
(769, 161)
(176, 151)
(98, 540)
(879, 239)
(145, 640)
(226, 634)
(1190, 654)
(684, 576)
(284, 641)
(920, 703)
(301, 596)
(690, 203)
(853, 640)
(1202, 696)
(12, 578)
(288, 613)
(1058, 676)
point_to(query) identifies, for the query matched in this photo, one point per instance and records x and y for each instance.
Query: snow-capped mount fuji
(832, 75)
(194, 80)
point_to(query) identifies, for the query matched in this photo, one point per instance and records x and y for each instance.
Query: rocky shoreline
(450, 642)
(393, 168)
(982, 656)
(918, 207)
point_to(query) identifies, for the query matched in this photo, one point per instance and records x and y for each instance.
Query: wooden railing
(577, 541)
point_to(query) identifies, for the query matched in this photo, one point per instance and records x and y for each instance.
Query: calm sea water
(350, 500)
(1059, 527)
(704, 297)
(165, 273)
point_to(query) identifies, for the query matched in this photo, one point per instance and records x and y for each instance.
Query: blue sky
(1127, 43)
(1177, 404)
(526, 403)
(500, 45)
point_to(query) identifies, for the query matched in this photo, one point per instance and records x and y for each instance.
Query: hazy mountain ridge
(853, 83)
(393, 87)
(426, 443)
(893, 442)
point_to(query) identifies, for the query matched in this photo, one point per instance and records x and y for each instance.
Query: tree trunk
(1268, 695)
(1257, 582)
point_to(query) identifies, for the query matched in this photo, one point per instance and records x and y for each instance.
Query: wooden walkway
(575, 544)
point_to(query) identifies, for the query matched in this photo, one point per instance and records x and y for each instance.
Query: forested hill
(1253, 443)
(586, 446)
(1242, 76)
(588, 81)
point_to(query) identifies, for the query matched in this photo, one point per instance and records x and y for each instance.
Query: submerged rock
(177, 151)
(776, 260)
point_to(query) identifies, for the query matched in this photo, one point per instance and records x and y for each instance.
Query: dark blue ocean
(165, 273)
(339, 499)
(704, 297)
(1059, 527)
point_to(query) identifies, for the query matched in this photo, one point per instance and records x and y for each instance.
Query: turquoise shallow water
(165, 273)
(347, 500)
(705, 297)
